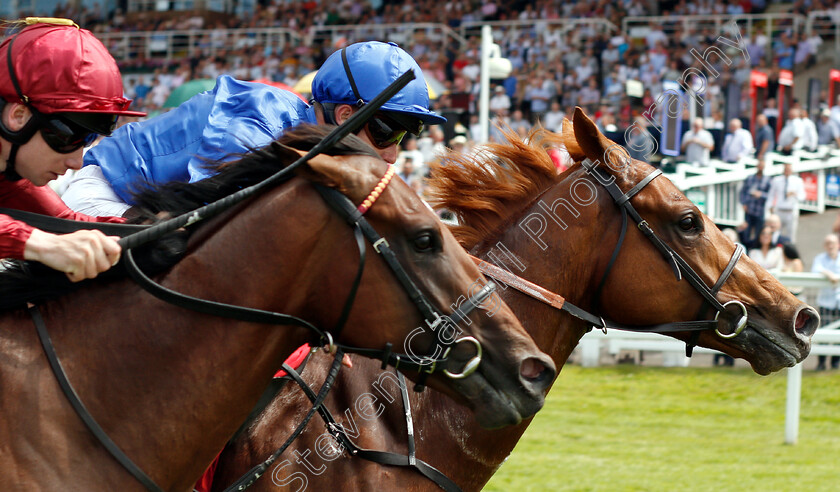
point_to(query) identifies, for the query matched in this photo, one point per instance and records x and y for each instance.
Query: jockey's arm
(82, 254)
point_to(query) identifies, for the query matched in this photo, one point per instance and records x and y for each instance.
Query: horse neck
(568, 258)
(577, 249)
(210, 371)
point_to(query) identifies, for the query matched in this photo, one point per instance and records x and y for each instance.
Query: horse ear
(572, 146)
(591, 140)
(596, 146)
(330, 171)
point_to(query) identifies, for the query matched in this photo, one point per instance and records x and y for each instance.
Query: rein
(362, 229)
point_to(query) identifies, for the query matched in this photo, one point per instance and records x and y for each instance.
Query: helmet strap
(10, 172)
(360, 102)
(16, 138)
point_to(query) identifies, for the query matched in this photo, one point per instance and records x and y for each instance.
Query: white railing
(170, 45)
(186, 5)
(825, 23)
(715, 188)
(402, 34)
(594, 26)
(638, 26)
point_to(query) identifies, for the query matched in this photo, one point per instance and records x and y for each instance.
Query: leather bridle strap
(525, 286)
(679, 265)
(355, 217)
(79, 407)
(259, 470)
(382, 457)
(623, 201)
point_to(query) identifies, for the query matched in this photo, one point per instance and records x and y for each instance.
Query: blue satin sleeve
(216, 125)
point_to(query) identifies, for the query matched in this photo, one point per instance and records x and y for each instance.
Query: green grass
(629, 428)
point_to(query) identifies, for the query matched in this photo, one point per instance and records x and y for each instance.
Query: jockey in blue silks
(237, 116)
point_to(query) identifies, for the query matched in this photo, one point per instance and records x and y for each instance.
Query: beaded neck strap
(377, 190)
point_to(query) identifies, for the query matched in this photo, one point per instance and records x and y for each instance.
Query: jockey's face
(35, 161)
(388, 154)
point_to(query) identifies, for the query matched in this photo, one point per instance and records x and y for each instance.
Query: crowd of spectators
(555, 67)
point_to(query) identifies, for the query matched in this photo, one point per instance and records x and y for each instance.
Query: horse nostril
(531, 369)
(536, 372)
(806, 322)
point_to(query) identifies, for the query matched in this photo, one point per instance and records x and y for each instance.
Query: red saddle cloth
(205, 483)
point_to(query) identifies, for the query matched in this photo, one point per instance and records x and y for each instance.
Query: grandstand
(614, 58)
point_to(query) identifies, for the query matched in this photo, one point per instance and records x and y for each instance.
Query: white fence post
(794, 395)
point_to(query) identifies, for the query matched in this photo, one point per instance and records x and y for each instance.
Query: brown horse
(501, 195)
(170, 386)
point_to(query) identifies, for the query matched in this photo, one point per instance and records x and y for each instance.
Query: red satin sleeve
(23, 195)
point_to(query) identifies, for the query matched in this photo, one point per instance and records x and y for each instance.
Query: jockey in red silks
(59, 89)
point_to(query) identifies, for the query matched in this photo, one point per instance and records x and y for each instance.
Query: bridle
(354, 216)
(134, 236)
(680, 267)
(681, 270)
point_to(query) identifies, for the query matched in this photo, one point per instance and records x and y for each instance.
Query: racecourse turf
(630, 428)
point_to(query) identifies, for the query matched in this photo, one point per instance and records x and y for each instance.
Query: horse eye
(423, 242)
(688, 223)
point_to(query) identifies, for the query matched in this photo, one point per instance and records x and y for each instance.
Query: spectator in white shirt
(835, 112)
(738, 143)
(809, 131)
(766, 254)
(786, 191)
(828, 132)
(500, 100)
(553, 120)
(791, 136)
(697, 144)
(828, 300)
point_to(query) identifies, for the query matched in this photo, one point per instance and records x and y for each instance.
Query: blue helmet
(372, 66)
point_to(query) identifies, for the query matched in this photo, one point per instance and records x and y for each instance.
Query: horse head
(778, 326)
(513, 375)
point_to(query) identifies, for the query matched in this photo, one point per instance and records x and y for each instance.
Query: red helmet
(56, 67)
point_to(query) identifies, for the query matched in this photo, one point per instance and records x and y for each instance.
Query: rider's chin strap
(10, 172)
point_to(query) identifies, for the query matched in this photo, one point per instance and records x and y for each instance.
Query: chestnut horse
(170, 386)
(507, 199)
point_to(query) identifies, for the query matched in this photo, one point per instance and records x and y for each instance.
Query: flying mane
(487, 187)
(22, 281)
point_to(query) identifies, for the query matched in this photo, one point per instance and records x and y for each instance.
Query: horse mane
(23, 281)
(487, 187)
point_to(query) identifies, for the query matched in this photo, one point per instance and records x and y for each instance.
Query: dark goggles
(384, 132)
(385, 128)
(65, 136)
